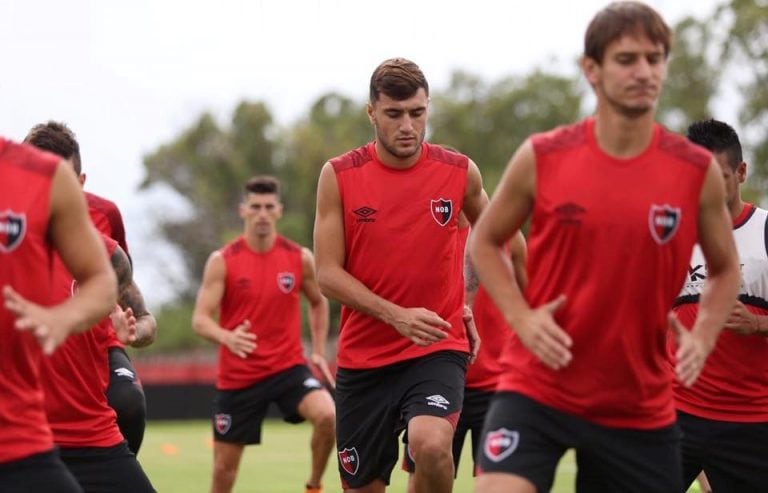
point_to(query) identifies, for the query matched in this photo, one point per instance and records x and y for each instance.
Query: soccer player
(483, 375)
(43, 211)
(616, 204)
(254, 284)
(724, 417)
(75, 380)
(124, 394)
(386, 240)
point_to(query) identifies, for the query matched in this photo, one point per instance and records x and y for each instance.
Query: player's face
(400, 125)
(261, 213)
(731, 178)
(631, 75)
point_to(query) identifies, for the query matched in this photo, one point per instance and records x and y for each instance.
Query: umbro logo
(438, 401)
(569, 213)
(124, 372)
(364, 214)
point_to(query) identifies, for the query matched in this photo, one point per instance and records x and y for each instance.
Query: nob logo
(13, 226)
(442, 210)
(349, 460)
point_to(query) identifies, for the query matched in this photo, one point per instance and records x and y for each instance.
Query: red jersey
(107, 218)
(25, 258)
(732, 385)
(494, 334)
(76, 376)
(262, 287)
(614, 236)
(401, 241)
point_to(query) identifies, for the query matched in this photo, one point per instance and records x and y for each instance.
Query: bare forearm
(717, 301)
(318, 326)
(91, 303)
(207, 328)
(339, 285)
(495, 270)
(146, 330)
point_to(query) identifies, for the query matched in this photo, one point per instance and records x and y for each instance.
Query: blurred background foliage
(207, 164)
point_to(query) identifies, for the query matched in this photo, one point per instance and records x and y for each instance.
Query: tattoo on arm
(129, 295)
(471, 281)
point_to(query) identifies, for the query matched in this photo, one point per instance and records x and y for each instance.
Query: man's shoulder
(98, 202)
(27, 158)
(286, 244)
(448, 156)
(679, 147)
(560, 138)
(352, 159)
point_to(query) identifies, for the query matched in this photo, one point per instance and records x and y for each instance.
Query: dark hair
(398, 78)
(58, 138)
(263, 185)
(718, 137)
(619, 19)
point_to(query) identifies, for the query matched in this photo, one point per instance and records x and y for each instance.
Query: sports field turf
(177, 458)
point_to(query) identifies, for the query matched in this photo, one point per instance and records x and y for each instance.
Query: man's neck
(736, 208)
(392, 161)
(260, 244)
(623, 137)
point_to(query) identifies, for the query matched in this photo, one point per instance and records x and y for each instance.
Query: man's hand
(472, 335)
(422, 326)
(541, 335)
(48, 328)
(692, 352)
(322, 364)
(241, 340)
(124, 323)
(742, 321)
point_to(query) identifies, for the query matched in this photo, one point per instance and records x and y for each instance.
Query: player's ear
(81, 179)
(591, 68)
(371, 113)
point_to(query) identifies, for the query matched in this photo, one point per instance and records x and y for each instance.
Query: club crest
(500, 444)
(663, 220)
(222, 422)
(286, 281)
(442, 210)
(349, 460)
(13, 227)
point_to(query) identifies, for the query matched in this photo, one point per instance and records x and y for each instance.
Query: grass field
(177, 458)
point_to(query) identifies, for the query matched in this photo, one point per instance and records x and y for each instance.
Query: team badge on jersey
(442, 210)
(663, 220)
(286, 281)
(222, 422)
(349, 460)
(13, 227)
(500, 444)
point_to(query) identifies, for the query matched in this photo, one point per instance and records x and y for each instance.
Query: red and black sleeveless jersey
(107, 218)
(25, 262)
(400, 234)
(614, 236)
(495, 334)
(733, 383)
(263, 288)
(76, 376)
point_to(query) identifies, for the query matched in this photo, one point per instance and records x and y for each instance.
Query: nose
(406, 124)
(643, 68)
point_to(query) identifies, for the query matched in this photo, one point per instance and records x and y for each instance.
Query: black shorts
(238, 413)
(473, 412)
(107, 469)
(527, 439)
(40, 472)
(734, 455)
(374, 406)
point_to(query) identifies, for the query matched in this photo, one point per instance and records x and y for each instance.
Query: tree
(489, 122)
(207, 166)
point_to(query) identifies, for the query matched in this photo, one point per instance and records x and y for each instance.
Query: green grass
(177, 457)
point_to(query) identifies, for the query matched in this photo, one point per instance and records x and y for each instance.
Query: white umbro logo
(438, 401)
(124, 372)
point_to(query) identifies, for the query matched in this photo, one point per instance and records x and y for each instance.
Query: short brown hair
(621, 18)
(58, 138)
(398, 78)
(263, 185)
